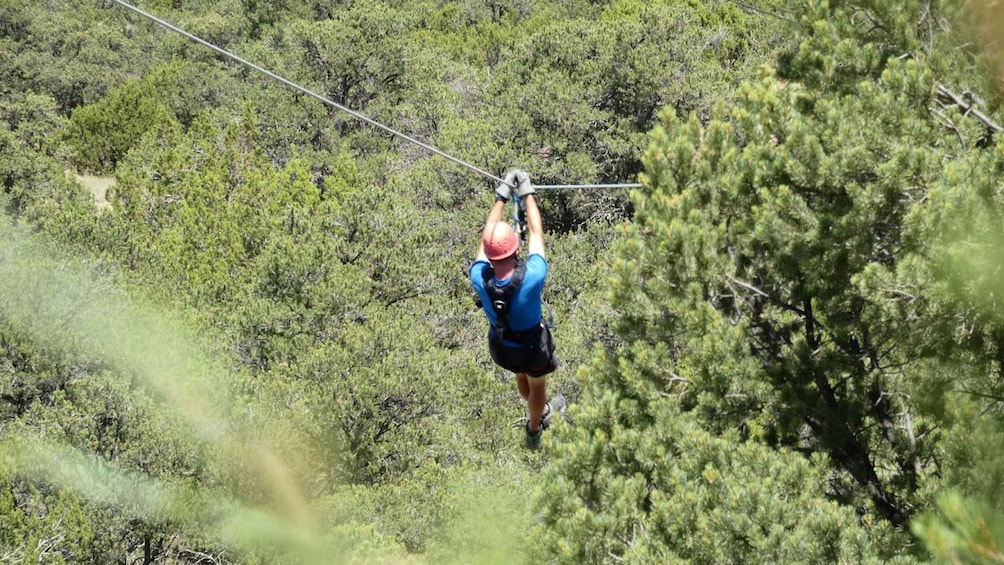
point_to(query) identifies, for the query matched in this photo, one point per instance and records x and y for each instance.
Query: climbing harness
(533, 352)
(349, 111)
(501, 298)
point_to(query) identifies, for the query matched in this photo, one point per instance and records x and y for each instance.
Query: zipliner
(510, 292)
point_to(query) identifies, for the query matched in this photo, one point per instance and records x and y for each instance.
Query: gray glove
(503, 191)
(525, 188)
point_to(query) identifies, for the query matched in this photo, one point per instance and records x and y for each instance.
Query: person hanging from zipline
(509, 291)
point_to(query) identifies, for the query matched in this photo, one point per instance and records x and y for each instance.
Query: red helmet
(500, 241)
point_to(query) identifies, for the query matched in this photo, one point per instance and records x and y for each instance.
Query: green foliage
(44, 525)
(28, 121)
(961, 230)
(779, 359)
(459, 514)
(34, 121)
(666, 490)
(779, 283)
(34, 184)
(191, 88)
(964, 530)
(73, 51)
(486, 518)
(101, 133)
(747, 230)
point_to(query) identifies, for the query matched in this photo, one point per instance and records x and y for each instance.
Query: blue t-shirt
(525, 308)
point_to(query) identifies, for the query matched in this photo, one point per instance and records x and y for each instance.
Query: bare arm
(495, 215)
(535, 241)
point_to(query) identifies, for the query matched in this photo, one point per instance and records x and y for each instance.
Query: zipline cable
(561, 186)
(346, 109)
(306, 91)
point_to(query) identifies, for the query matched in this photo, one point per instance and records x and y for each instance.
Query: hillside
(260, 344)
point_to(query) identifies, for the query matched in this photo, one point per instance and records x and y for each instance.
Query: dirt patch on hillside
(99, 188)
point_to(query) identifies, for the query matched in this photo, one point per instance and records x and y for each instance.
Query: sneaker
(532, 441)
(556, 404)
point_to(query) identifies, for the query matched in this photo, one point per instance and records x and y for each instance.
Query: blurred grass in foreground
(72, 312)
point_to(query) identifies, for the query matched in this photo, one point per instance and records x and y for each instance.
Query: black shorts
(535, 358)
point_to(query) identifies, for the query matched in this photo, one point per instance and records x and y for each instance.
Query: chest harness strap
(501, 300)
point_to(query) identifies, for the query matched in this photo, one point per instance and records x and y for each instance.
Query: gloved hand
(504, 190)
(525, 188)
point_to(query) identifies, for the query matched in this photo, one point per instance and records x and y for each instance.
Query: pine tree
(778, 291)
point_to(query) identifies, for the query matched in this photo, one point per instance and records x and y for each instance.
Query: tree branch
(759, 12)
(950, 125)
(967, 105)
(763, 294)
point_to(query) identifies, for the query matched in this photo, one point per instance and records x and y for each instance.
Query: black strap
(502, 298)
(520, 217)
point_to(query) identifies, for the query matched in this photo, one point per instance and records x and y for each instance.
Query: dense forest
(236, 326)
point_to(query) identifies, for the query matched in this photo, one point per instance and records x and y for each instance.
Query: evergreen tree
(777, 286)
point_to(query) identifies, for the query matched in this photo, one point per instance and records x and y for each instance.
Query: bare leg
(523, 386)
(536, 399)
